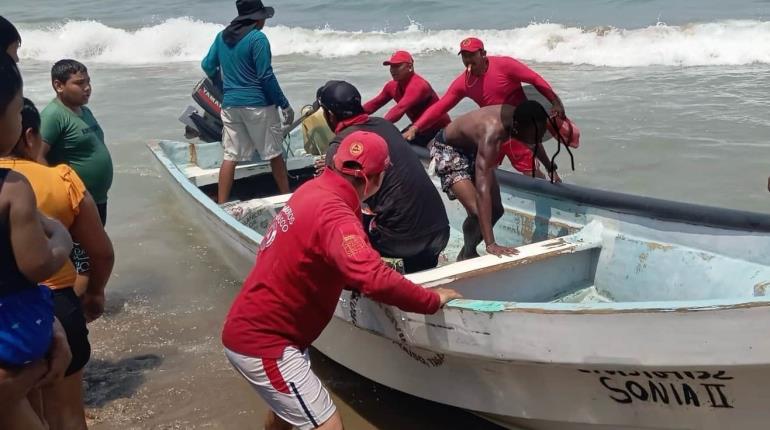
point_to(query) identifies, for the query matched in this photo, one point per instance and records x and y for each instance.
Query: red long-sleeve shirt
(412, 98)
(501, 84)
(315, 247)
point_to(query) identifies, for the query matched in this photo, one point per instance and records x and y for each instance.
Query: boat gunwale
(495, 306)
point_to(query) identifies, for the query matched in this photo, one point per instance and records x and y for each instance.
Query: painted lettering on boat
(695, 388)
(435, 361)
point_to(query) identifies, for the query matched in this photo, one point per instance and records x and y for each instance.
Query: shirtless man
(466, 154)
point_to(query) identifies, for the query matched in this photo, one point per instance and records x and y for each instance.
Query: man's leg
(497, 202)
(428, 258)
(465, 191)
(274, 422)
(64, 403)
(237, 146)
(267, 135)
(294, 393)
(281, 176)
(226, 179)
(20, 415)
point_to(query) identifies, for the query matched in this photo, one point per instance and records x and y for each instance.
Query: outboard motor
(204, 122)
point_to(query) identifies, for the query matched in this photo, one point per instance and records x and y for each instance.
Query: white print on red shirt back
(283, 220)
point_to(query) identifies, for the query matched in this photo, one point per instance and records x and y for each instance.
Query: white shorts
(288, 386)
(249, 129)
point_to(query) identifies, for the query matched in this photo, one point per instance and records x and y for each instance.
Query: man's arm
(349, 250)
(50, 130)
(415, 94)
(520, 72)
(379, 100)
(453, 95)
(210, 63)
(486, 159)
(41, 245)
(263, 63)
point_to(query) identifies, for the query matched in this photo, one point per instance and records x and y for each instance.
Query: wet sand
(157, 362)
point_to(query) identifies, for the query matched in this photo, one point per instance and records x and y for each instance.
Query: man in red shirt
(490, 80)
(315, 247)
(413, 95)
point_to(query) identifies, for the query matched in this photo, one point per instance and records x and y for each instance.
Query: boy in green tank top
(72, 134)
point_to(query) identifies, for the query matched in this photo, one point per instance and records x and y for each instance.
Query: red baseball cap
(471, 44)
(399, 57)
(367, 149)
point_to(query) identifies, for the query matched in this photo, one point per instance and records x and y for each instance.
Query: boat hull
(554, 397)
(533, 364)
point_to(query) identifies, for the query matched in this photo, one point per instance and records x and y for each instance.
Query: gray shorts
(249, 129)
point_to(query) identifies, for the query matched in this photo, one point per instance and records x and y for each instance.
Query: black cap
(253, 9)
(340, 98)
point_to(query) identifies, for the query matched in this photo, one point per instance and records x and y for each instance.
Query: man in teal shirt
(252, 96)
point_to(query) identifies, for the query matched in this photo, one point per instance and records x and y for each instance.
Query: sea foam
(723, 43)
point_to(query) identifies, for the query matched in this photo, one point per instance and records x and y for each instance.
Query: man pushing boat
(490, 80)
(314, 248)
(468, 151)
(413, 96)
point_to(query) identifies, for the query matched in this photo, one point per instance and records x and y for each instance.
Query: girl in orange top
(62, 195)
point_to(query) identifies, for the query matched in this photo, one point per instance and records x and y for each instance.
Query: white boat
(619, 312)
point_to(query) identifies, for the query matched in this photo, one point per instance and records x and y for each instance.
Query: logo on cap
(356, 148)
(466, 42)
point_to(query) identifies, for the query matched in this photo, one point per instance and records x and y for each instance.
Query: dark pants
(69, 312)
(418, 253)
(102, 208)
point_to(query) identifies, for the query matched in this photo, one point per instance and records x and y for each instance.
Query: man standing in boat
(409, 219)
(314, 248)
(490, 80)
(467, 153)
(412, 94)
(252, 96)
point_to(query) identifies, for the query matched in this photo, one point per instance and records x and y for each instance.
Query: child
(32, 248)
(72, 134)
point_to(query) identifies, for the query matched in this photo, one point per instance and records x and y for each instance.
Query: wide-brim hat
(253, 9)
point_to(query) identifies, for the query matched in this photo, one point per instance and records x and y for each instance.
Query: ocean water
(671, 98)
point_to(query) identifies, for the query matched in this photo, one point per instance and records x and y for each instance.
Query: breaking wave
(725, 43)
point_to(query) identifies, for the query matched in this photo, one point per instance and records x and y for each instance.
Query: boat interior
(567, 254)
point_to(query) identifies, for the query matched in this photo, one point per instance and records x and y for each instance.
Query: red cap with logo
(471, 44)
(367, 149)
(399, 57)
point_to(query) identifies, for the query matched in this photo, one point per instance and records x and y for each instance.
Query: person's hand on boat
(410, 133)
(499, 250)
(59, 356)
(288, 116)
(556, 178)
(320, 164)
(93, 305)
(447, 294)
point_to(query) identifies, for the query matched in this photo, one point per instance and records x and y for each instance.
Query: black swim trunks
(69, 311)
